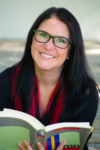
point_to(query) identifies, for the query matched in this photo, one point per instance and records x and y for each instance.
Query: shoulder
(6, 87)
(92, 90)
(91, 103)
(6, 78)
(7, 74)
(92, 100)
(8, 71)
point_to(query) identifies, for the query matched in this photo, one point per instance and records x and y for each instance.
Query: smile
(47, 56)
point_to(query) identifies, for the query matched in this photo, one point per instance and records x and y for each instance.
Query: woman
(51, 82)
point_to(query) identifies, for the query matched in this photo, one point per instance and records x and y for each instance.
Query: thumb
(40, 146)
(61, 146)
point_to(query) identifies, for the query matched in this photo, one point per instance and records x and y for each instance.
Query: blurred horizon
(11, 51)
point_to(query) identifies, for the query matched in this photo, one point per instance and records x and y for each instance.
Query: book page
(24, 116)
(20, 129)
(15, 123)
(11, 135)
(67, 124)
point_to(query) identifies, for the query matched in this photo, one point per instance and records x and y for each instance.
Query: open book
(16, 126)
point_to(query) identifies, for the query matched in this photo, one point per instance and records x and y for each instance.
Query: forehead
(54, 26)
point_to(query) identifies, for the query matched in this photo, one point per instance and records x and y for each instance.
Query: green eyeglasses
(58, 41)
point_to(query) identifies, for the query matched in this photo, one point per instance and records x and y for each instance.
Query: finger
(21, 147)
(60, 147)
(40, 146)
(27, 145)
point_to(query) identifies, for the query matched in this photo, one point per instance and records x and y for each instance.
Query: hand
(21, 147)
(40, 146)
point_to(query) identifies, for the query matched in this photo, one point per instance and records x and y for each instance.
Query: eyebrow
(52, 35)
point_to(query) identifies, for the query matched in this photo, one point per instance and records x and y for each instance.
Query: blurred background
(17, 17)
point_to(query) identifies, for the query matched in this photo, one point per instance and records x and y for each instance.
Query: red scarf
(59, 104)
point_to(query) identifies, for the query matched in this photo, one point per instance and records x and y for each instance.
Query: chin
(45, 68)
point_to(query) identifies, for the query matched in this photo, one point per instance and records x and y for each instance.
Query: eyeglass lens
(44, 37)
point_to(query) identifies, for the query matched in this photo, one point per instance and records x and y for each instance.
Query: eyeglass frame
(50, 36)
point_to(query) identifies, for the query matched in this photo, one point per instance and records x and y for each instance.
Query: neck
(47, 77)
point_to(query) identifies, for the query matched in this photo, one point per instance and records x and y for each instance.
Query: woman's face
(47, 56)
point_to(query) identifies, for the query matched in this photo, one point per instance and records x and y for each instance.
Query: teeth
(48, 56)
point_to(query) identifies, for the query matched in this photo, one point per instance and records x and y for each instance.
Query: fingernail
(38, 143)
(19, 144)
(65, 143)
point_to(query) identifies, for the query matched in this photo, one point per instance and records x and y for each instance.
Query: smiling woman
(51, 82)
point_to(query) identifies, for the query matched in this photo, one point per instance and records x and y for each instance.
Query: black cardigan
(6, 94)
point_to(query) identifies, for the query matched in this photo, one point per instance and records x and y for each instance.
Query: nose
(49, 45)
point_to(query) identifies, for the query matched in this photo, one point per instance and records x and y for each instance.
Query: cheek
(35, 48)
(64, 54)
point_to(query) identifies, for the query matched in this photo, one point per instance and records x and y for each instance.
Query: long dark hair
(74, 72)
